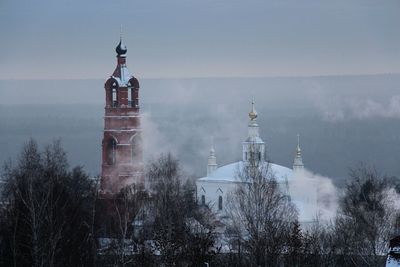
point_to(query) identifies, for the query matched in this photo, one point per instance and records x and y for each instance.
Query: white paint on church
(214, 189)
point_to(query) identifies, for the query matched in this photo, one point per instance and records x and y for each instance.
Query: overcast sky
(187, 38)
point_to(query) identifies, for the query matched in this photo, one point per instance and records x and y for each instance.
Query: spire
(298, 150)
(253, 134)
(121, 47)
(212, 159)
(253, 146)
(298, 161)
(212, 150)
(121, 72)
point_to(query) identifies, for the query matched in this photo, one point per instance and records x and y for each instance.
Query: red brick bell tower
(122, 160)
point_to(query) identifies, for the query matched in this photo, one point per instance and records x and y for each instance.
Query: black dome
(121, 48)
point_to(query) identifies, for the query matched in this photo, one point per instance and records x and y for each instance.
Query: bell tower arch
(122, 160)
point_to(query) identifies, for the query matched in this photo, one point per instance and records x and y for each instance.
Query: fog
(326, 196)
(342, 120)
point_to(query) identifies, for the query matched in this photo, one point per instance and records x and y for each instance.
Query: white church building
(220, 182)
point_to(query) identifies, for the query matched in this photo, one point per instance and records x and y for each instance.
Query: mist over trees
(48, 215)
(350, 116)
(48, 218)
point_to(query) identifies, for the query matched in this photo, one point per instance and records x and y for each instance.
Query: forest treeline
(53, 215)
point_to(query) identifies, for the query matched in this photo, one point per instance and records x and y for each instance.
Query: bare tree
(201, 237)
(182, 232)
(127, 208)
(318, 247)
(47, 209)
(167, 208)
(261, 215)
(366, 218)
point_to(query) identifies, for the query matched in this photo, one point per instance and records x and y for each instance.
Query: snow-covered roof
(125, 76)
(392, 261)
(254, 140)
(229, 173)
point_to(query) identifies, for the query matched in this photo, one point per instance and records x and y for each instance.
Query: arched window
(134, 88)
(111, 151)
(220, 202)
(130, 102)
(130, 94)
(203, 200)
(114, 98)
(135, 98)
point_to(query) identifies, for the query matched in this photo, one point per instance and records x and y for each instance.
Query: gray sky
(187, 38)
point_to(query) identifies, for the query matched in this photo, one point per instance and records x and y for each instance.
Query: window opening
(130, 100)
(114, 98)
(220, 202)
(111, 151)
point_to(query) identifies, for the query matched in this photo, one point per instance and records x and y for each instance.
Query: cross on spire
(212, 150)
(212, 159)
(298, 161)
(121, 47)
(253, 112)
(298, 140)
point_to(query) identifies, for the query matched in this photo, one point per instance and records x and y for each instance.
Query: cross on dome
(121, 47)
(298, 161)
(212, 159)
(298, 149)
(212, 150)
(253, 112)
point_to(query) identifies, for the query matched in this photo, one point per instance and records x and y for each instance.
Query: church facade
(216, 189)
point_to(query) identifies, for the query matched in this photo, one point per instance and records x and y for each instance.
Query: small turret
(212, 159)
(298, 161)
(253, 146)
(121, 73)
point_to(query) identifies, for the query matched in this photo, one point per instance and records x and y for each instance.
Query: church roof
(122, 75)
(254, 139)
(229, 173)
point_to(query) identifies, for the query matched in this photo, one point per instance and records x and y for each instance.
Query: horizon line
(210, 77)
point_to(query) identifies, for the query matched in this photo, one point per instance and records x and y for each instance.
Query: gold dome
(253, 115)
(253, 112)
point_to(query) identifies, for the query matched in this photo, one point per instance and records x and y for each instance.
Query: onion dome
(121, 48)
(298, 151)
(253, 112)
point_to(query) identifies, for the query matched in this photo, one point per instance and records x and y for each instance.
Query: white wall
(212, 190)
